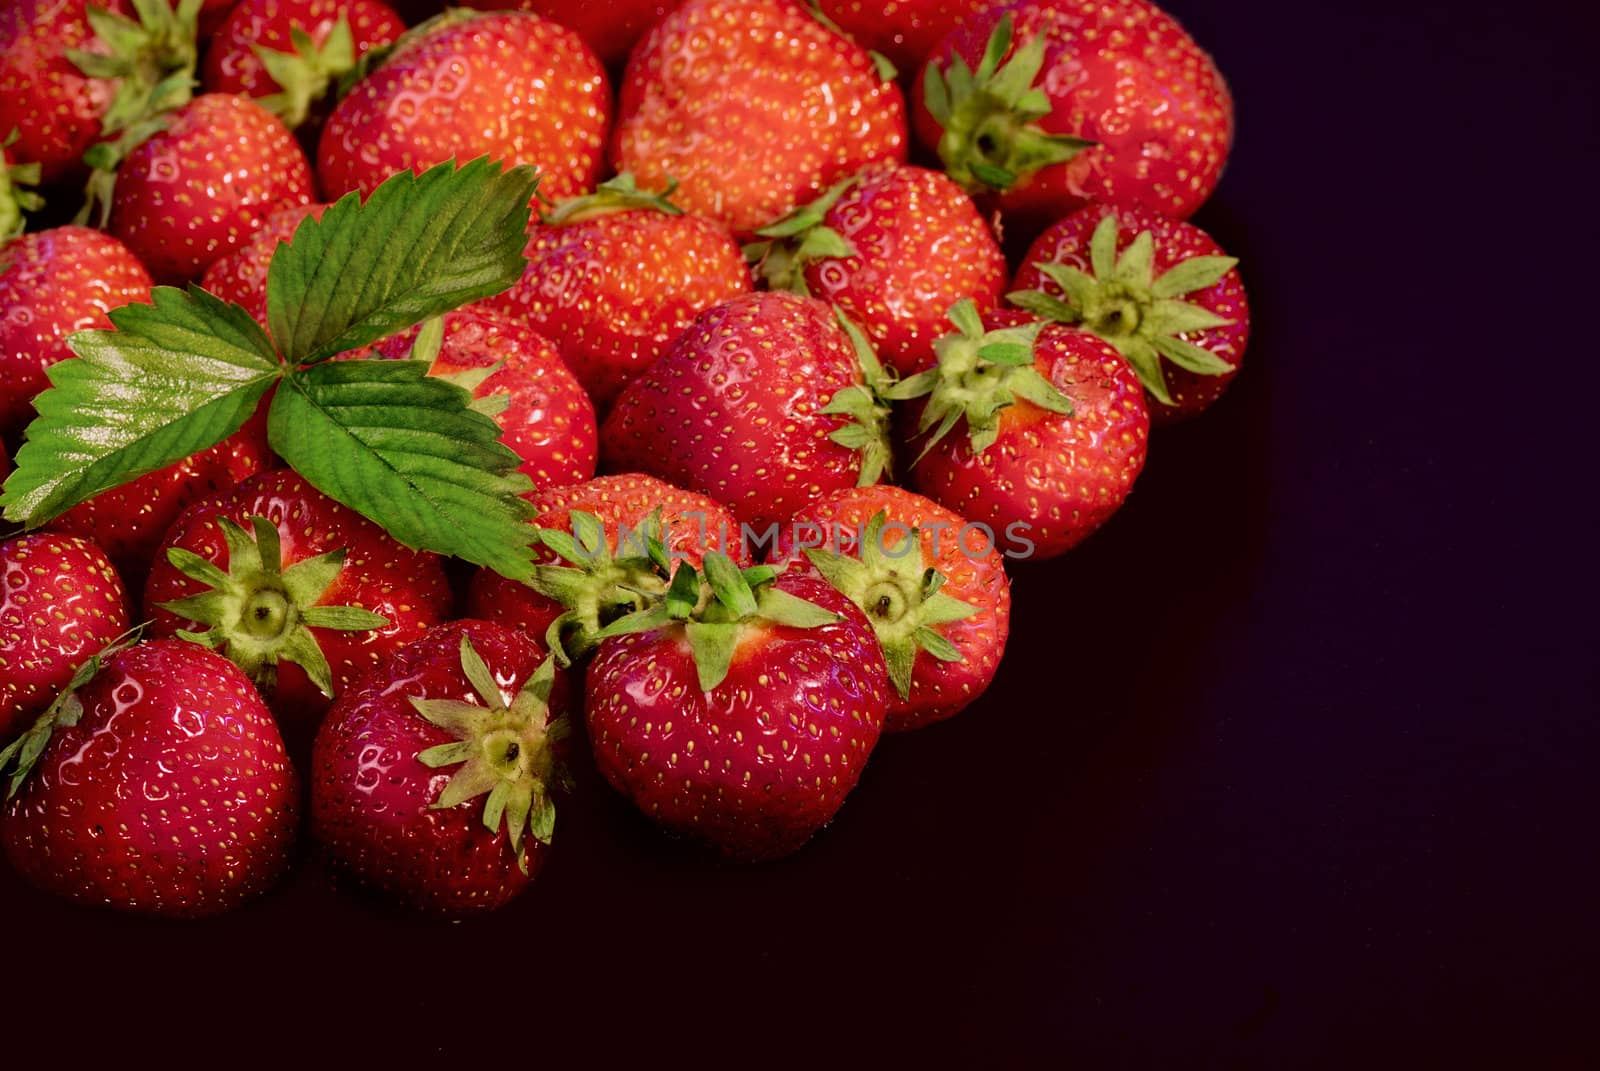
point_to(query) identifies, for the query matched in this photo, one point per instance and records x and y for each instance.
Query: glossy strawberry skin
(611, 28)
(371, 800)
(693, 525)
(614, 290)
(761, 762)
(241, 276)
(1067, 242)
(511, 86)
(232, 66)
(407, 587)
(731, 410)
(974, 573)
(200, 188)
(549, 422)
(61, 601)
(54, 107)
(903, 30)
(1056, 477)
(52, 283)
(755, 107)
(172, 796)
(921, 248)
(1124, 75)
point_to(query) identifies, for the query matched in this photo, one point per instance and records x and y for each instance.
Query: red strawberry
(53, 283)
(610, 28)
(903, 30)
(163, 788)
(892, 248)
(198, 189)
(402, 759)
(941, 607)
(755, 107)
(548, 420)
(746, 721)
(1101, 100)
(289, 52)
(1153, 287)
(513, 86)
(616, 276)
(129, 521)
(301, 592)
(241, 276)
(60, 602)
(691, 525)
(762, 403)
(1055, 429)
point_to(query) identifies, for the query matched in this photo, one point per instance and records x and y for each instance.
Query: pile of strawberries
(311, 525)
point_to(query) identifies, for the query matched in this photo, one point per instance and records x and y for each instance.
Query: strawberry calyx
(261, 613)
(716, 607)
(979, 374)
(900, 598)
(16, 192)
(620, 194)
(19, 757)
(796, 239)
(306, 74)
(991, 138)
(597, 587)
(504, 746)
(1122, 300)
(374, 58)
(867, 405)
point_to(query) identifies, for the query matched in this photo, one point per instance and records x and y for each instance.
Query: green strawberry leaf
(419, 246)
(407, 451)
(175, 377)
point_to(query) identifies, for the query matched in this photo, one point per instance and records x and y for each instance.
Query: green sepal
(306, 74)
(867, 406)
(598, 587)
(374, 58)
(797, 239)
(16, 194)
(620, 194)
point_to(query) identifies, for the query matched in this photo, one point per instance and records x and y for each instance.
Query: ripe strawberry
(198, 189)
(288, 53)
(1154, 288)
(941, 607)
(610, 28)
(159, 787)
(903, 30)
(741, 711)
(622, 506)
(762, 403)
(1101, 100)
(1055, 432)
(547, 419)
(52, 283)
(892, 248)
(386, 805)
(512, 86)
(241, 276)
(755, 107)
(301, 592)
(615, 276)
(60, 602)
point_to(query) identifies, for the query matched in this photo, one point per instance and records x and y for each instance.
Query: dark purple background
(1287, 767)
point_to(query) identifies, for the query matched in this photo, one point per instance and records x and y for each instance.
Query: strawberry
(159, 786)
(199, 188)
(610, 28)
(622, 508)
(52, 283)
(762, 403)
(402, 759)
(892, 248)
(1154, 288)
(1055, 103)
(60, 602)
(755, 107)
(512, 86)
(1055, 429)
(547, 419)
(241, 275)
(129, 521)
(615, 276)
(301, 592)
(940, 606)
(288, 53)
(739, 710)
(903, 30)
